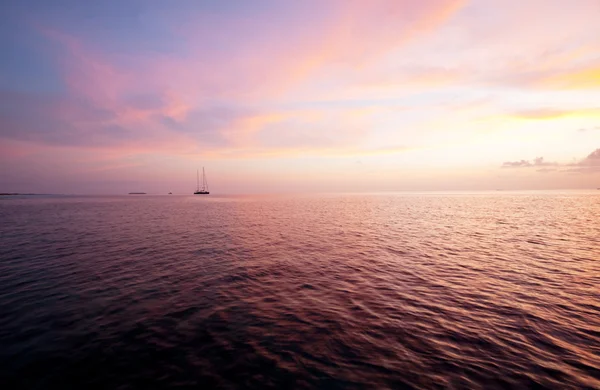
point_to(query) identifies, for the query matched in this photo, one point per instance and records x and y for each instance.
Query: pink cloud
(151, 101)
(361, 32)
(276, 58)
(538, 44)
(220, 100)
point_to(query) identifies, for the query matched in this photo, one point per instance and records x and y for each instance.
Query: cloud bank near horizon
(589, 164)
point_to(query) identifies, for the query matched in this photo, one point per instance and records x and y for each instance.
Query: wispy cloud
(555, 113)
(541, 113)
(546, 170)
(588, 129)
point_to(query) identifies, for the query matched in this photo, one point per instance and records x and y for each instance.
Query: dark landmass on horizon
(17, 193)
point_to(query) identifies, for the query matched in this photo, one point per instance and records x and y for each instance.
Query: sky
(299, 96)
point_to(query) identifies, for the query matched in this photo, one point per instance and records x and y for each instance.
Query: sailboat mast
(197, 180)
(204, 181)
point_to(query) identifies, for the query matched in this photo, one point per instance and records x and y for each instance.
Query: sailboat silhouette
(204, 189)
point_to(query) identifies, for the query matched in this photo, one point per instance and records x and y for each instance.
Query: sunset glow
(273, 96)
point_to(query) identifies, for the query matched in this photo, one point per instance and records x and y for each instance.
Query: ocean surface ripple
(423, 291)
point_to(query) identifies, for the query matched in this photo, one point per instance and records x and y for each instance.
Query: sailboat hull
(201, 192)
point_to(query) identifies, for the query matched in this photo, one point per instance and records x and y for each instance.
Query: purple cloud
(537, 162)
(589, 164)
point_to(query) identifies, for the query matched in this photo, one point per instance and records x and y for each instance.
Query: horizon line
(295, 192)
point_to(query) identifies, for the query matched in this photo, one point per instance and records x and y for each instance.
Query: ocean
(486, 290)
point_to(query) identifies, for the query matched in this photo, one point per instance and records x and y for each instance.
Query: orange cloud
(553, 113)
(364, 31)
(586, 78)
(293, 152)
(243, 130)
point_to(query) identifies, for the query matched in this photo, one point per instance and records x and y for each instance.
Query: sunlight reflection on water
(414, 290)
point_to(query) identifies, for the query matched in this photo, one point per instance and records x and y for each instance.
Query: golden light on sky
(300, 96)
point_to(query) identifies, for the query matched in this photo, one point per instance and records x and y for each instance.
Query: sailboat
(204, 189)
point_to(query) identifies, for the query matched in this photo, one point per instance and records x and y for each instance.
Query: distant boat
(170, 193)
(137, 193)
(204, 189)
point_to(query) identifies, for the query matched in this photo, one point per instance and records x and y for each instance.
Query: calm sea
(413, 290)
